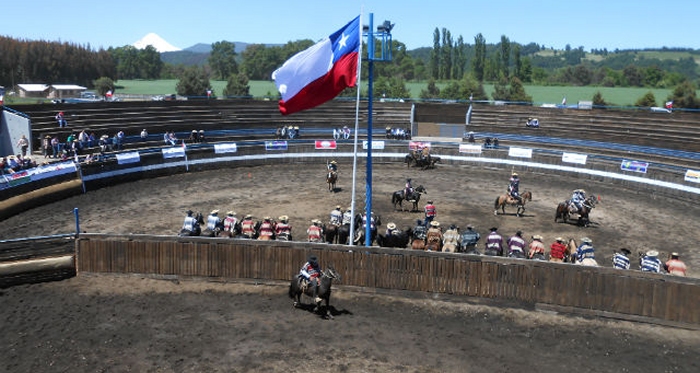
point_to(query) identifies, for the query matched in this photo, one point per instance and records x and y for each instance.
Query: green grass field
(540, 94)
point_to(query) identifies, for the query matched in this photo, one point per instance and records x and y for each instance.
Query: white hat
(586, 240)
(652, 253)
(214, 212)
(391, 226)
(537, 237)
(231, 212)
(434, 223)
(284, 218)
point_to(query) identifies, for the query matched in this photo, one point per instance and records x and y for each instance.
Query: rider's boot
(317, 299)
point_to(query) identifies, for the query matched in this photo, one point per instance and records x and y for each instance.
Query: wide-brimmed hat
(266, 218)
(391, 226)
(349, 209)
(674, 255)
(469, 226)
(430, 201)
(559, 239)
(452, 226)
(626, 251)
(586, 240)
(338, 207)
(214, 212)
(312, 259)
(47, 137)
(434, 223)
(652, 253)
(284, 218)
(231, 212)
(493, 229)
(334, 162)
(514, 174)
(537, 237)
(248, 216)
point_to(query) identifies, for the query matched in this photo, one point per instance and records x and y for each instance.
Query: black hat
(626, 251)
(408, 179)
(493, 229)
(519, 233)
(189, 212)
(313, 259)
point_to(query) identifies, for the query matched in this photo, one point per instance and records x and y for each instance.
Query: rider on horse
(347, 216)
(494, 243)
(283, 229)
(266, 231)
(469, 239)
(408, 190)
(311, 272)
(315, 232)
(585, 250)
(514, 187)
(336, 216)
(516, 245)
(230, 222)
(213, 221)
(333, 166)
(578, 197)
(190, 222)
(248, 226)
(536, 248)
(420, 230)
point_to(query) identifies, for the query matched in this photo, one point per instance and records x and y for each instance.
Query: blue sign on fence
(635, 166)
(275, 145)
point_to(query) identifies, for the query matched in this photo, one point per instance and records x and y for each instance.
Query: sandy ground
(110, 324)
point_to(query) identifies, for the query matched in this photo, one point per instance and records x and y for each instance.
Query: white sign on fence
(574, 158)
(375, 144)
(174, 152)
(520, 152)
(692, 176)
(470, 149)
(130, 157)
(225, 148)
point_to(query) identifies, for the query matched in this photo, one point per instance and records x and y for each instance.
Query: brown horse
(564, 211)
(505, 199)
(331, 179)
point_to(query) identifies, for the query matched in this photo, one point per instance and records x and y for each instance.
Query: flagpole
(357, 124)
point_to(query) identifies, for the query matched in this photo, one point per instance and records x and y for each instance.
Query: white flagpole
(357, 125)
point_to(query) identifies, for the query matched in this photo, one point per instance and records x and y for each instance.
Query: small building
(33, 90)
(60, 91)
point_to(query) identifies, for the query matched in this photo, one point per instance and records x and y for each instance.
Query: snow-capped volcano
(157, 42)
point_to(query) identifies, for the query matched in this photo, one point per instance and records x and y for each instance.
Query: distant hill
(199, 53)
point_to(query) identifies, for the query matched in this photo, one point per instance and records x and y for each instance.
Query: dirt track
(106, 323)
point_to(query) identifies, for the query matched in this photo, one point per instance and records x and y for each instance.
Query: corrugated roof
(61, 87)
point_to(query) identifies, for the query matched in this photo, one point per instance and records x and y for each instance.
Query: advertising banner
(520, 152)
(131, 157)
(225, 148)
(275, 145)
(326, 144)
(470, 149)
(692, 176)
(375, 144)
(634, 166)
(574, 158)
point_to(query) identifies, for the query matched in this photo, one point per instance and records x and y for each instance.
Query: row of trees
(461, 66)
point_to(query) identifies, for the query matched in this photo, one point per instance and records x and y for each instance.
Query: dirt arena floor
(116, 324)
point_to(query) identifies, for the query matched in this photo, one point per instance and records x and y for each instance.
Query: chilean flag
(319, 73)
(669, 104)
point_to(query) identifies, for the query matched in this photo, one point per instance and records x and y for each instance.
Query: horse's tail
(497, 202)
(292, 289)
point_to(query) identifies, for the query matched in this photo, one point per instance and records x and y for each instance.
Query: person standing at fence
(469, 239)
(516, 245)
(46, 146)
(23, 144)
(675, 266)
(621, 260)
(536, 248)
(61, 120)
(430, 213)
(494, 243)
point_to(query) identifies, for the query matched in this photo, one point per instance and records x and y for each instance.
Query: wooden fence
(629, 295)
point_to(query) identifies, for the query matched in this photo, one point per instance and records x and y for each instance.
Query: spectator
(201, 136)
(55, 147)
(23, 144)
(172, 139)
(194, 137)
(46, 146)
(61, 120)
(516, 245)
(557, 250)
(144, 134)
(675, 266)
(621, 260)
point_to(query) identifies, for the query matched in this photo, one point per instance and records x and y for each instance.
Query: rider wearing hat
(557, 250)
(577, 198)
(514, 187)
(230, 222)
(494, 243)
(336, 216)
(283, 230)
(391, 229)
(621, 260)
(408, 190)
(190, 223)
(333, 166)
(311, 272)
(536, 248)
(347, 216)
(420, 230)
(585, 250)
(650, 262)
(675, 266)
(516, 245)
(213, 220)
(266, 229)
(434, 236)
(314, 231)
(450, 239)
(469, 239)
(248, 226)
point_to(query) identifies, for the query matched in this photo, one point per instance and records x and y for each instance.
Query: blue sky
(596, 24)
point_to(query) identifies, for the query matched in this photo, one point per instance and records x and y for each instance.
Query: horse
(297, 287)
(570, 255)
(331, 179)
(503, 200)
(564, 211)
(422, 162)
(400, 195)
(398, 239)
(197, 227)
(235, 231)
(331, 233)
(360, 231)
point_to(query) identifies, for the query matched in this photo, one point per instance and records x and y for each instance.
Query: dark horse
(344, 230)
(423, 162)
(503, 200)
(197, 227)
(360, 231)
(331, 179)
(298, 287)
(330, 232)
(564, 212)
(400, 195)
(400, 239)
